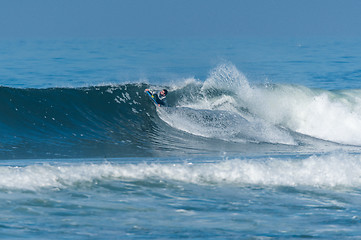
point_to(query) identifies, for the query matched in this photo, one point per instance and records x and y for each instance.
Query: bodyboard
(152, 97)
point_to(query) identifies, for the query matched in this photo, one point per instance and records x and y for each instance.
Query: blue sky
(178, 18)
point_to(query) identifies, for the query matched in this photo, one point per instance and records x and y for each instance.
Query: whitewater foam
(328, 115)
(331, 170)
(217, 111)
(225, 125)
(318, 113)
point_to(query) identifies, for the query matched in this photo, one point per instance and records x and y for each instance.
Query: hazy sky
(178, 18)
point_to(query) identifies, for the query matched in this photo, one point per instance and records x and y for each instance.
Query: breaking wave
(330, 170)
(222, 113)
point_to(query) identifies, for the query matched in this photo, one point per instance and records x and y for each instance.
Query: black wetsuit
(159, 98)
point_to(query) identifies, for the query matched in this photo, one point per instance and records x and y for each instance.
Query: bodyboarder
(159, 96)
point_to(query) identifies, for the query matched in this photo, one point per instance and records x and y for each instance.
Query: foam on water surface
(330, 170)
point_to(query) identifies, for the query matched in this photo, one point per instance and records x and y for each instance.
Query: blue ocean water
(261, 139)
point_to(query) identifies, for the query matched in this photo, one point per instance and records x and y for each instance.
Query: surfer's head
(164, 92)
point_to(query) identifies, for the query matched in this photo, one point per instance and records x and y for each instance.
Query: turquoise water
(261, 139)
(319, 63)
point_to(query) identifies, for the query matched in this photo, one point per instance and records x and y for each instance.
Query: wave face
(223, 113)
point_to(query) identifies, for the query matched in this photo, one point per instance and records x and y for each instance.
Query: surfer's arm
(148, 90)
